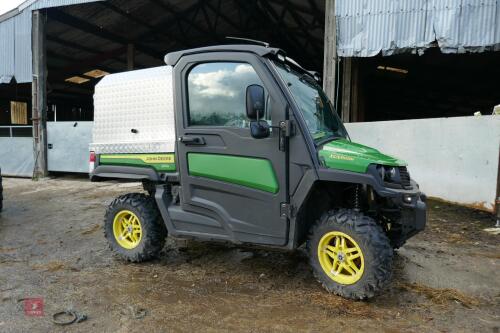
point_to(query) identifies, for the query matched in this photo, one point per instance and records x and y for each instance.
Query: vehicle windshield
(317, 110)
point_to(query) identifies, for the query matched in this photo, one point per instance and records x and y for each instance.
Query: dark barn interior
(87, 41)
(409, 86)
(114, 36)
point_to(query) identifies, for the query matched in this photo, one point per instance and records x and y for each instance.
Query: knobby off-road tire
(142, 211)
(374, 261)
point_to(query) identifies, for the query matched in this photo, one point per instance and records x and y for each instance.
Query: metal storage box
(134, 112)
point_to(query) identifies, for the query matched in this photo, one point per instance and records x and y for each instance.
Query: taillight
(92, 161)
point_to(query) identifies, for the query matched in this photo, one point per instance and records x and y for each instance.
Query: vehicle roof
(173, 57)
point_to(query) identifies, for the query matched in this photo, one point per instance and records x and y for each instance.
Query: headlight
(389, 174)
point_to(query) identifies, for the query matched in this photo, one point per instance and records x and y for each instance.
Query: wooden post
(350, 90)
(130, 57)
(354, 90)
(39, 92)
(346, 89)
(330, 51)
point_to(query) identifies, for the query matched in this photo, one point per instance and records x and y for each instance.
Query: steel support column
(39, 92)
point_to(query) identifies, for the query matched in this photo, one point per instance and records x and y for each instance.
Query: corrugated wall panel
(7, 56)
(22, 42)
(367, 27)
(15, 39)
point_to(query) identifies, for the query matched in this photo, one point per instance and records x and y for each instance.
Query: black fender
(126, 172)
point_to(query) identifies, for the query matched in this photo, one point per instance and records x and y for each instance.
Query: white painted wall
(69, 145)
(16, 156)
(455, 159)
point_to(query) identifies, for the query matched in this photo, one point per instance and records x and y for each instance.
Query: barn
(406, 76)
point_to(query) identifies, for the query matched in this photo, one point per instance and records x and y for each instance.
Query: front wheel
(133, 227)
(350, 254)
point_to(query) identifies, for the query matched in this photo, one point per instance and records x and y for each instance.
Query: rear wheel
(350, 254)
(133, 227)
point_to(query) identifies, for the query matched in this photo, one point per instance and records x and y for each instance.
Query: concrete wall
(455, 159)
(69, 145)
(16, 156)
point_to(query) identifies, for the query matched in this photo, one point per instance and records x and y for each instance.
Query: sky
(6, 5)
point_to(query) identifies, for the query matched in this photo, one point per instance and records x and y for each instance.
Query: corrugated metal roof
(15, 37)
(39, 4)
(366, 28)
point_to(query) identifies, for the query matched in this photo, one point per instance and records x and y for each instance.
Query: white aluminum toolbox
(134, 112)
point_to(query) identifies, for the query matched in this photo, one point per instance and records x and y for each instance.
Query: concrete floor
(52, 246)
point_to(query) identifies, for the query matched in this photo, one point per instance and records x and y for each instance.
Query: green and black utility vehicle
(238, 143)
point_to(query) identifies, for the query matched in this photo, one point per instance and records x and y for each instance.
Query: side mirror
(259, 129)
(255, 102)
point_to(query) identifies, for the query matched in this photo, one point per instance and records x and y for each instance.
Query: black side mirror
(255, 102)
(259, 129)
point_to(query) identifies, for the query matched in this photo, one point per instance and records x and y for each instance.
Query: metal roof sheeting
(366, 27)
(39, 4)
(15, 38)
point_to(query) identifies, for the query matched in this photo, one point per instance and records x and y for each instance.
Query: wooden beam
(350, 90)
(330, 52)
(130, 56)
(354, 90)
(346, 89)
(39, 93)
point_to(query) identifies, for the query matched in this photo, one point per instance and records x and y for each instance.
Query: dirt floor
(447, 279)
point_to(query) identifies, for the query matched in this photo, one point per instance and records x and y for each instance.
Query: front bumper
(412, 221)
(413, 218)
(409, 205)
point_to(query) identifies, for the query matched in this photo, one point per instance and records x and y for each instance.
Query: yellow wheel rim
(341, 257)
(127, 229)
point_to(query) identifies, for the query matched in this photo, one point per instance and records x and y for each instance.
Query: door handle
(192, 140)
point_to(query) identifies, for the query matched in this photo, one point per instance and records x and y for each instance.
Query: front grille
(405, 177)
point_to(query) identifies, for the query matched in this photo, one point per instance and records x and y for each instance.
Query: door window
(217, 93)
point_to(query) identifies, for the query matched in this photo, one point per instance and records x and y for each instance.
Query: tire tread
(154, 231)
(378, 272)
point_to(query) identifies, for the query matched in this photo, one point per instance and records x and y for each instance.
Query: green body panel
(162, 162)
(251, 172)
(343, 154)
